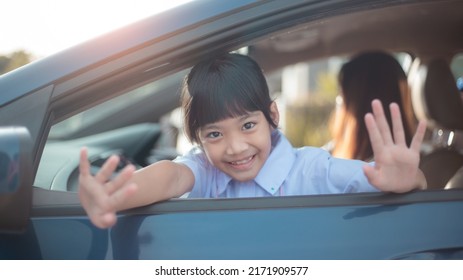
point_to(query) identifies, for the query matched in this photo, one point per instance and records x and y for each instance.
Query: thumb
(371, 173)
(105, 220)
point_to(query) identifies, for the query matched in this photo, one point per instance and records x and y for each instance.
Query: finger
(93, 197)
(120, 196)
(103, 220)
(86, 181)
(373, 133)
(381, 122)
(84, 165)
(418, 137)
(97, 203)
(124, 176)
(107, 220)
(90, 189)
(107, 170)
(371, 173)
(397, 125)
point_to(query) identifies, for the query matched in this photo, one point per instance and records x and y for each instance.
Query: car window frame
(157, 60)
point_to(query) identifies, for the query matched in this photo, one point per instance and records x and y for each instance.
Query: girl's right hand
(100, 196)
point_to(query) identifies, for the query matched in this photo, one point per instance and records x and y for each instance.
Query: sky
(44, 27)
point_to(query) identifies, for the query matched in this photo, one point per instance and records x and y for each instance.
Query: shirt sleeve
(329, 175)
(348, 176)
(202, 170)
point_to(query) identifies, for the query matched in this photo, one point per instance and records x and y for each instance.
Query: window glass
(457, 70)
(100, 112)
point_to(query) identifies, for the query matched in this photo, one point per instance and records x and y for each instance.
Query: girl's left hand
(396, 166)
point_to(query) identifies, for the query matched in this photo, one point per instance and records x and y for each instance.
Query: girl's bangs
(221, 105)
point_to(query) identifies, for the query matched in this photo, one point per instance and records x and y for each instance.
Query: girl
(240, 152)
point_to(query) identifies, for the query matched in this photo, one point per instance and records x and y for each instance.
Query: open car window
(305, 92)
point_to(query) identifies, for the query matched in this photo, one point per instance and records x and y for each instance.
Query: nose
(236, 145)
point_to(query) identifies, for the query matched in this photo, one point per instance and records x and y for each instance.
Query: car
(119, 94)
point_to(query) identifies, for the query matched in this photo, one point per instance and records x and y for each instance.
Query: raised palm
(396, 165)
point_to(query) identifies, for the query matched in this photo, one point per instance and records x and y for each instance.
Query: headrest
(435, 95)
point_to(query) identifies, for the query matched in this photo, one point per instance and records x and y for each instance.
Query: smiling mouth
(242, 162)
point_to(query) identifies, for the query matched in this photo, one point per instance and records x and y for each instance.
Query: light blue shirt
(287, 171)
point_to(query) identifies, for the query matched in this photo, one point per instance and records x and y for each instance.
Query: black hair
(229, 85)
(371, 75)
(368, 76)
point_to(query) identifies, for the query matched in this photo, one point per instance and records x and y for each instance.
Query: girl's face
(239, 146)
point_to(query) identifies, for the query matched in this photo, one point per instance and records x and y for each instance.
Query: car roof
(85, 55)
(324, 28)
(421, 28)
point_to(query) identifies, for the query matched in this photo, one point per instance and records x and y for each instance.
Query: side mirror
(15, 178)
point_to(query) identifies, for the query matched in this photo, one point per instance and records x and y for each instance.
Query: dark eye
(213, 134)
(248, 125)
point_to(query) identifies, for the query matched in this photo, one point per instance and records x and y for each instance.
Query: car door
(358, 226)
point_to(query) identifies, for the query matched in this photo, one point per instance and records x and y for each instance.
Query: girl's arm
(102, 197)
(396, 166)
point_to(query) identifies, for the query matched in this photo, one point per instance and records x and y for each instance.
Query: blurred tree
(4, 61)
(14, 60)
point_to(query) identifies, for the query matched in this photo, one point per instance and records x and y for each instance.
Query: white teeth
(241, 161)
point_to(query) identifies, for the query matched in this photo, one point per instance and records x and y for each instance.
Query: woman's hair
(226, 86)
(368, 76)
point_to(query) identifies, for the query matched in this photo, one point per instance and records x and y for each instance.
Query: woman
(368, 76)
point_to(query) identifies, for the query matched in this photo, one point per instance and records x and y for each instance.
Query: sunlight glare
(46, 27)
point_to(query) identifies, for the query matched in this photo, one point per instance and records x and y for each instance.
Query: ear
(274, 113)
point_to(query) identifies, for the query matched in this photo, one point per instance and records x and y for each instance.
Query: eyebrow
(240, 118)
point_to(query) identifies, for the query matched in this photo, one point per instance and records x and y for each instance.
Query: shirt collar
(223, 181)
(278, 165)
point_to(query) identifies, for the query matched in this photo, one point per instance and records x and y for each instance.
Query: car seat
(436, 99)
(456, 182)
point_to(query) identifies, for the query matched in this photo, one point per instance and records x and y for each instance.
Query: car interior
(436, 98)
(144, 130)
